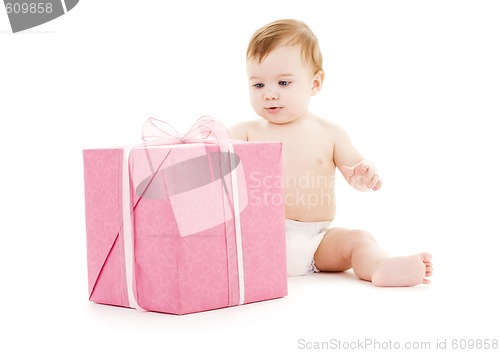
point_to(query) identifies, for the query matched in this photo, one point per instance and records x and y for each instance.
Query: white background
(415, 83)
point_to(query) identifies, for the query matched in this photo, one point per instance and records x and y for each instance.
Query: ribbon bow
(158, 132)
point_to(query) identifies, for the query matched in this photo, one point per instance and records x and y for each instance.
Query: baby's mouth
(273, 109)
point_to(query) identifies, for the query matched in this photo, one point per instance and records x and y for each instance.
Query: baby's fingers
(371, 173)
(377, 186)
(372, 181)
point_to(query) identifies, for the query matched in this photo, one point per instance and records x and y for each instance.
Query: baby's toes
(426, 257)
(429, 269)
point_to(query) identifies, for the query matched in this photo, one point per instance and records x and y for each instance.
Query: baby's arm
(357, 171)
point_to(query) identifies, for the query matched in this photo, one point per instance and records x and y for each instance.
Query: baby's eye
(258, 85)
(284, 83)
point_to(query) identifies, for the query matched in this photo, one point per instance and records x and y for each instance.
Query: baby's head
(285, 68)
(288, 32)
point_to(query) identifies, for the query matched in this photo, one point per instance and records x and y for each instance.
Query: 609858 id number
(33, 7)
(474, 344)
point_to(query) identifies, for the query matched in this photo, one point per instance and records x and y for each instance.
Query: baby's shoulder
(239, 131)
(328, 126)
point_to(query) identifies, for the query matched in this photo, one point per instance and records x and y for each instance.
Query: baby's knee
(362, 237)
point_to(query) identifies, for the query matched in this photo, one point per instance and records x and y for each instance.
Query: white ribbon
(237, 225)
(128, 230)
(157, 132)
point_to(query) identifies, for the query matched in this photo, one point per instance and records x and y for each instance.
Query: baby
(284, 65)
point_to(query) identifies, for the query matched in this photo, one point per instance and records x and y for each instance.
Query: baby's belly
(310, 204)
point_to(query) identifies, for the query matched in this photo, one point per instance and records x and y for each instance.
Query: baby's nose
(270, 95)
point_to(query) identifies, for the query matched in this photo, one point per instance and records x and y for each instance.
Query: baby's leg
(403, 271)
(342, 249)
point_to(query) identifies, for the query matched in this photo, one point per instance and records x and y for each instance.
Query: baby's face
(280, 85)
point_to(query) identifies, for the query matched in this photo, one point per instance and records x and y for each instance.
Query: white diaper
(302, 240)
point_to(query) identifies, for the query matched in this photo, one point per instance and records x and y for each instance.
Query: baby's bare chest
(302, 149)
(308, 157)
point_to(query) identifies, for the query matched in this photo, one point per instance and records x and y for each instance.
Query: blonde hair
(286, 32)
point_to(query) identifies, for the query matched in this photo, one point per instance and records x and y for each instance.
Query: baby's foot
(403, 271)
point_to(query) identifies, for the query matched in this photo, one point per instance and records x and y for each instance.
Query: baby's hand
(363, 176)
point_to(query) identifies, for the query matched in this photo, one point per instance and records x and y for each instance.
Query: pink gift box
(207, 226)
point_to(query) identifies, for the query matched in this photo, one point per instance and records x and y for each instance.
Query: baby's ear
(317, 82)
